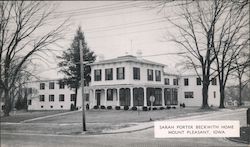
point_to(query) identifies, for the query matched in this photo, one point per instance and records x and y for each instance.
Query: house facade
(126, 81)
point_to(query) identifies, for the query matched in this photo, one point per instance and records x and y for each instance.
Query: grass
(244, 136)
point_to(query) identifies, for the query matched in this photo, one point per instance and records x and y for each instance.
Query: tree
(197, 37)
(70, 64)
(233, 38)
(21, 39)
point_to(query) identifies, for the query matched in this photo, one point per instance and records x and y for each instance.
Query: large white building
(126, 81)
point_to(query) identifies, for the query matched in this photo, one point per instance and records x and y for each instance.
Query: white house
(126, 81)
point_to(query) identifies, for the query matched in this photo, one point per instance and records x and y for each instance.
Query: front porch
(130, 95)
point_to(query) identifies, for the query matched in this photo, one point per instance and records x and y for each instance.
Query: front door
(98, 99)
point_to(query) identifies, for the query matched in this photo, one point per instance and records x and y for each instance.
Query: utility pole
(82, 85)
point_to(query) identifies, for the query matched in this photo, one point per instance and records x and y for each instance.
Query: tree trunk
(7, 103)
(240, 94)
(75, 97)
(205, 93)
(222, 96)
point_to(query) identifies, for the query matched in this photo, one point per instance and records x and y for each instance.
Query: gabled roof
(127, 58)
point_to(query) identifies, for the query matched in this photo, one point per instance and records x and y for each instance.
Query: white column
(105, 97)
(145, 96)
(162, 100)
(131, 97)
(118, 97)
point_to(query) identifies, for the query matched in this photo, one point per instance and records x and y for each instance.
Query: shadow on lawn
(244, 136)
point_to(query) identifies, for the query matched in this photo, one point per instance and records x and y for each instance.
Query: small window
(175, 81)
(186, 82)
(189, 94)
(72, 97)
(214, 81)
(136, 72)
(166, 81)
(51, 98)
(214, 94)
(42, 86)
(61, 85)
(29, 102)
(98, 75)
(198, 81)
(157, 75)
(51, 85)
(150, 75)
(41, 98)
(110, 94)
(86, 97)
(61, 97)
(120, 73)
(109, 74)
(51, 106)
(41, 106)
(61, 106)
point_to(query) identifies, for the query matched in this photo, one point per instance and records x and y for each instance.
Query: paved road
(136, 139)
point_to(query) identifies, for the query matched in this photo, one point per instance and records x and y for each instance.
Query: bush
(154, 108)
(72, 107)
(109, 107)
(117, 107)
(183, 105)
(145, 108)
(173, 107)
(134, 108)
(96, 107)
(126, 107)
(162, 108)
(103, 107)
(168, 107)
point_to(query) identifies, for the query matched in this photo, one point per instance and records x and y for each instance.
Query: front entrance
(98, 98)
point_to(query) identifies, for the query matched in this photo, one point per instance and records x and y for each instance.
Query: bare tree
(23, 34)
(197, 37)
(233, 37)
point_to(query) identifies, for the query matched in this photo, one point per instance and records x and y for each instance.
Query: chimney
(139, 54)
(100, 57)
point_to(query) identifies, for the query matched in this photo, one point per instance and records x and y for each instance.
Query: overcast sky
(113, 28)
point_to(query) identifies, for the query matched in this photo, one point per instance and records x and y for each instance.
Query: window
(198, 81)
(214, 94)
(51, 98)
(136, 72)
(214, 81)
(61, 85)
(41, 98)
(175, 81)
(41, 106)
(61, 97)
(86, 96)
(72, 97)
(166, 81)
(189, 94)
(110, 94)
(157, 75)
(51, 85)
(150, 75)
(42, 86)
(98, 75)
(61, 106)
(186, 82)
(120, 73)
(109, 74)
(51, 106)
(29, 102)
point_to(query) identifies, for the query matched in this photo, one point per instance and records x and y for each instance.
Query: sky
(116, 28)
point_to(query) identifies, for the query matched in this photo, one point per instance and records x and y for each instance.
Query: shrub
(154, 108)
(117, 107)
(126, 107)
(183, 105)
(109, 107)
(161, 108)
(134, 108)
(96, 107)
(72, 107)
(102, 107)
(168, 107)
(173, 107)
(145, 108)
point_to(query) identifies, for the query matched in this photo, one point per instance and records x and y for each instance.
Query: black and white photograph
(125, 73)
